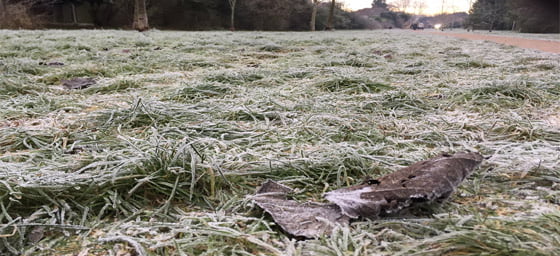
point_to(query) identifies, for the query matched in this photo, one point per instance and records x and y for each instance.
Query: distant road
(541, 45)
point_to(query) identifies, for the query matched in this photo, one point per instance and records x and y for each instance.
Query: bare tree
(2, 10)
(74, 14)
(313, 14)
(379, 4)
(402, 5)
(330, 20)
(419, 6)
(18, 14)
(140, 22)
(453, 10)
(232, 18)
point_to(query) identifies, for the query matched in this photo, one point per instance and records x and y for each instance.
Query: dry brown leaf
(430, 180)
(298, 219)
(78, 83)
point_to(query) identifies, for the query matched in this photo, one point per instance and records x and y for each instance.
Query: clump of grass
(408, 71)
(190, 65)
(352, 85)
(405, 102)
(416, 64)
(502, 96)
(416, 54)
(199, 91)
(263, 56)
(144, 42)
(235, 78)
(272, 48)
(89, 71)
(145, 114)
(298, 74)
(155, 172)
(528, 60)
(116, 86)
(523, 131)
(23, 66)
(555, 89)
(314, 171)
(454, 52)
(354, 62)
(14, 87)
(31, 106)
(472, 64)
(15, 139)
(546, 67)
(537, 236)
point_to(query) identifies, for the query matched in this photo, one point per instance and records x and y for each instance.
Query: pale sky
(432, 6)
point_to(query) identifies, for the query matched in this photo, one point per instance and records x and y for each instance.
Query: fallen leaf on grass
(78, 83)
(55, 63)
(36, 234)
(426, 181)
(298, 219)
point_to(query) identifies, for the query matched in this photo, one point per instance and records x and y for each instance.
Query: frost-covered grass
(158, 157)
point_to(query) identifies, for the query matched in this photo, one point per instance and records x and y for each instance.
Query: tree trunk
(74, 15)
(492, 20)
(330, 20)
(232, 18)
(2, 11)
(313, 15)
(140, 22)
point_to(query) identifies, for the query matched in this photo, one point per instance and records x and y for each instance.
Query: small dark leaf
(36, 234)
(78, 83)
(55, 63)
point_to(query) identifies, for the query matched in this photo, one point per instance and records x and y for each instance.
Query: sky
(432, 6)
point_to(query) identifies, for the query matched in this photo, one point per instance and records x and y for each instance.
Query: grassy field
(159, 156)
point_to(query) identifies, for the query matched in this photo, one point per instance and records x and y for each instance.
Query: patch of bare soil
(541, 45)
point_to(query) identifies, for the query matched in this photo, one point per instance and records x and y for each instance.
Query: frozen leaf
(78, 83)
(55, 63)
(428, 180)
(36, 234)
(298, 219)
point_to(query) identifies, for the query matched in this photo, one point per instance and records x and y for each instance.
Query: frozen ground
(157, 158)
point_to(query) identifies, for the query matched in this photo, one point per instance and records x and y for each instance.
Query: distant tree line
(172, 14)
(529, 16)
(295, 15)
